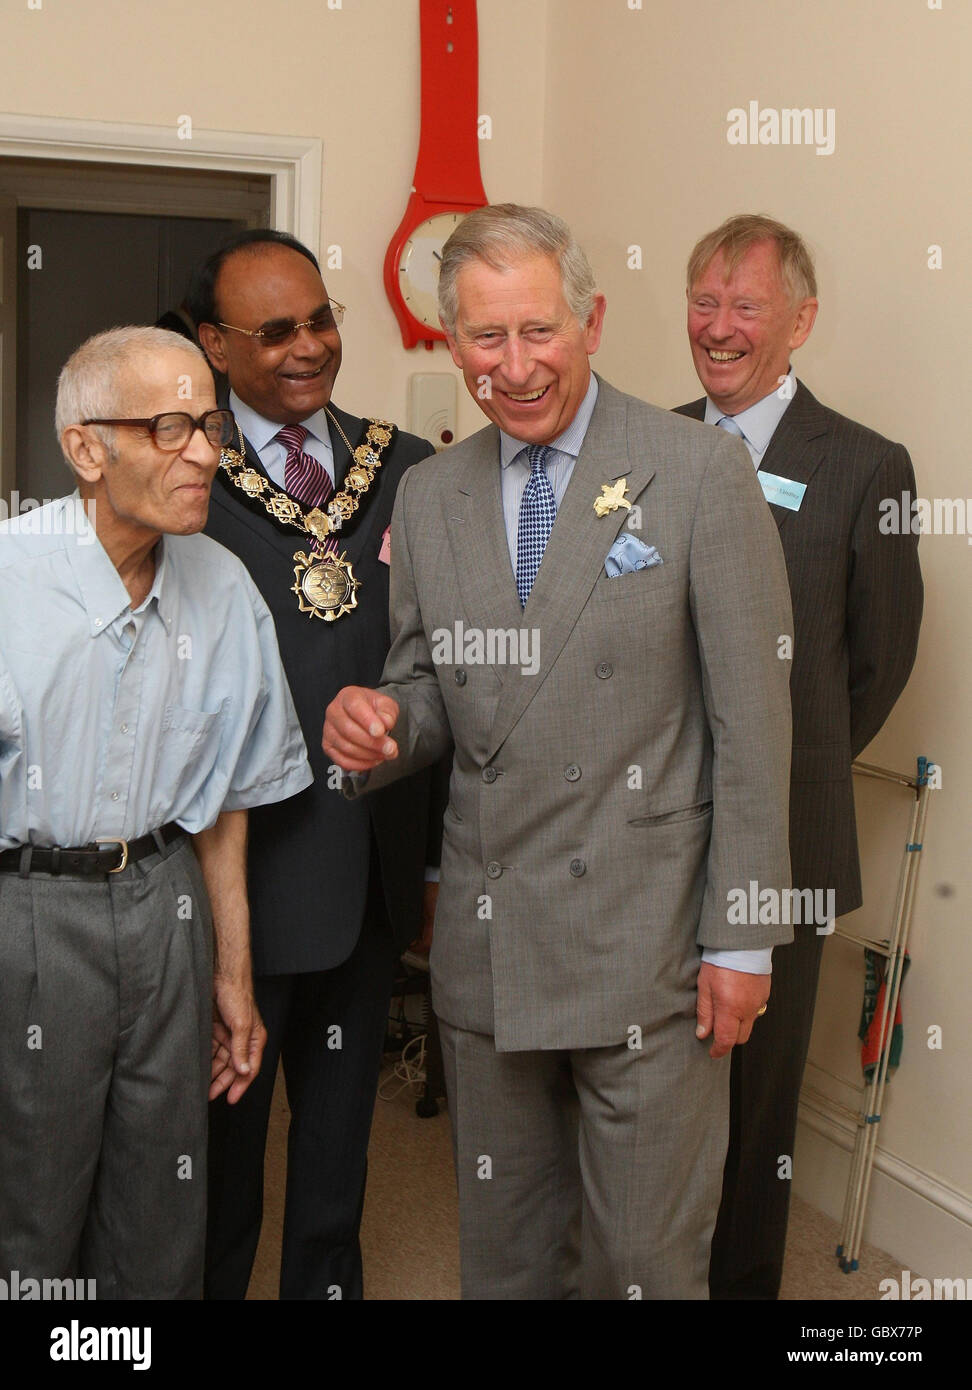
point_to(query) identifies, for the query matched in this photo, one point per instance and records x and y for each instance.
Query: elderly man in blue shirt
(143, 709)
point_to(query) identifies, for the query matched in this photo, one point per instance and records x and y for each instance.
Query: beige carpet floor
(410, 1231)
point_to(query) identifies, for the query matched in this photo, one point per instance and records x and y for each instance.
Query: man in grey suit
(857, 599)
(621, 722)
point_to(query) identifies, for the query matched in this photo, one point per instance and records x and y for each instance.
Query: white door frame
(294, 165)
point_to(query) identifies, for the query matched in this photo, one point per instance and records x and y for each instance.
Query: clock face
(418, 266)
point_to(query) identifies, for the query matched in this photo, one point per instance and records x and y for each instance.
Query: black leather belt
(105, 856)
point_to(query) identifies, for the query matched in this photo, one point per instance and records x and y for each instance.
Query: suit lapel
(477, 534)
(355, 542)
(575, 553)
(339, 450)
(798, 446)
(285, 541)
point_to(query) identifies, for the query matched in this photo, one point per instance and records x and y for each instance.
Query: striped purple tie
(305, 479)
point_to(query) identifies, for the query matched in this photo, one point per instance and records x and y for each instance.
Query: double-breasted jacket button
(572, 772)
(578, 868)
(490, 774)
(604, 671)
(493, 869)
(460, 676)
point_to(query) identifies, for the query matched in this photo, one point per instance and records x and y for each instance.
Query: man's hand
(239, 1038)
(728, 1003)
(356, 726)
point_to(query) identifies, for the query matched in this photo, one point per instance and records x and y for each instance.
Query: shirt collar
(570, 441)
(260, 431)
(162, 585)
(758, 421)
(103, 593)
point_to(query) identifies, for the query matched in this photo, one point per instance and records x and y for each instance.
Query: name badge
(785, 492)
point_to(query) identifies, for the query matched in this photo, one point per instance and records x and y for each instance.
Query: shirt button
(489, 774)
(460, 677)
(493, 870)
(114, 796)
(605, 671)
(98, 622)
(572, 772)
(124, 728)
(578, 868)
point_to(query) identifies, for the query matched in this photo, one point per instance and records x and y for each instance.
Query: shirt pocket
(188, 755)
(188, 729)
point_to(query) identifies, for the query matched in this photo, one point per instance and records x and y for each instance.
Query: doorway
(94, 246)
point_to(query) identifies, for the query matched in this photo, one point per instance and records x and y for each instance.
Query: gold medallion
(324, 583)
(325, 587)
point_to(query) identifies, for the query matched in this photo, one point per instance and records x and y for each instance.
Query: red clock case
(447, 176)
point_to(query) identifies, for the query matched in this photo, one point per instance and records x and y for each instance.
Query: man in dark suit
(857, 600)
(336, 889)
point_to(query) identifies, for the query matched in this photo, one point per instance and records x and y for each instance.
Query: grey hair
(503, 233)
(738, 235)
(92, 380)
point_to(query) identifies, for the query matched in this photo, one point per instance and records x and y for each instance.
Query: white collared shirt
(262, 434)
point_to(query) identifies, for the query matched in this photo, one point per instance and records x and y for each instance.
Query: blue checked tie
(538, 510)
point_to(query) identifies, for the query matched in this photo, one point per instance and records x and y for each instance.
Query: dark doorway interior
(89, 271)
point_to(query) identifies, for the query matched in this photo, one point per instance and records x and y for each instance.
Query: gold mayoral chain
(325, 587)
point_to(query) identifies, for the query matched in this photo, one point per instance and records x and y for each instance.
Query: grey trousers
(593, 1173)
(105, 1041)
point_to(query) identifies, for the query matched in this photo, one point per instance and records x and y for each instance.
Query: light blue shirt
(759, 422)
(273, 454)
(114, 720)
(560, 466)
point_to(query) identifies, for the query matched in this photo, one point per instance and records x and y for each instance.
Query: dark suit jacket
(309, 856)
(857, 601)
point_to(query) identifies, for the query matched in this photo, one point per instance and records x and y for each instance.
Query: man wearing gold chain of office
(337, 890)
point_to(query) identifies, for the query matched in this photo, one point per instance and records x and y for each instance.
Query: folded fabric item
(628, 554)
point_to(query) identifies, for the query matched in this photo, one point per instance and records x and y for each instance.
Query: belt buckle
(115, 840)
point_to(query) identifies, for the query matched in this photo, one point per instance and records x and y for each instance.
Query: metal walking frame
(869, 1118)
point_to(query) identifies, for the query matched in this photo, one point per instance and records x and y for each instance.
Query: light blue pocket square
(628, 554)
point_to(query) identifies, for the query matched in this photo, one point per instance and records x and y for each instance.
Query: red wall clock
(447, 183)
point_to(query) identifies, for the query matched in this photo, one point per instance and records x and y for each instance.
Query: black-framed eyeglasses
(281, 331)
(173, 429)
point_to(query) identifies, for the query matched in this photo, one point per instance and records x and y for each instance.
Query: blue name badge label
(783, 491)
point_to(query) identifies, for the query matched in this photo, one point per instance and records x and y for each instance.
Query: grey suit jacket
(602, 808)
(857, 601)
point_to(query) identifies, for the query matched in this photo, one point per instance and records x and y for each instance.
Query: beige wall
(617, 118)
(348, 76)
